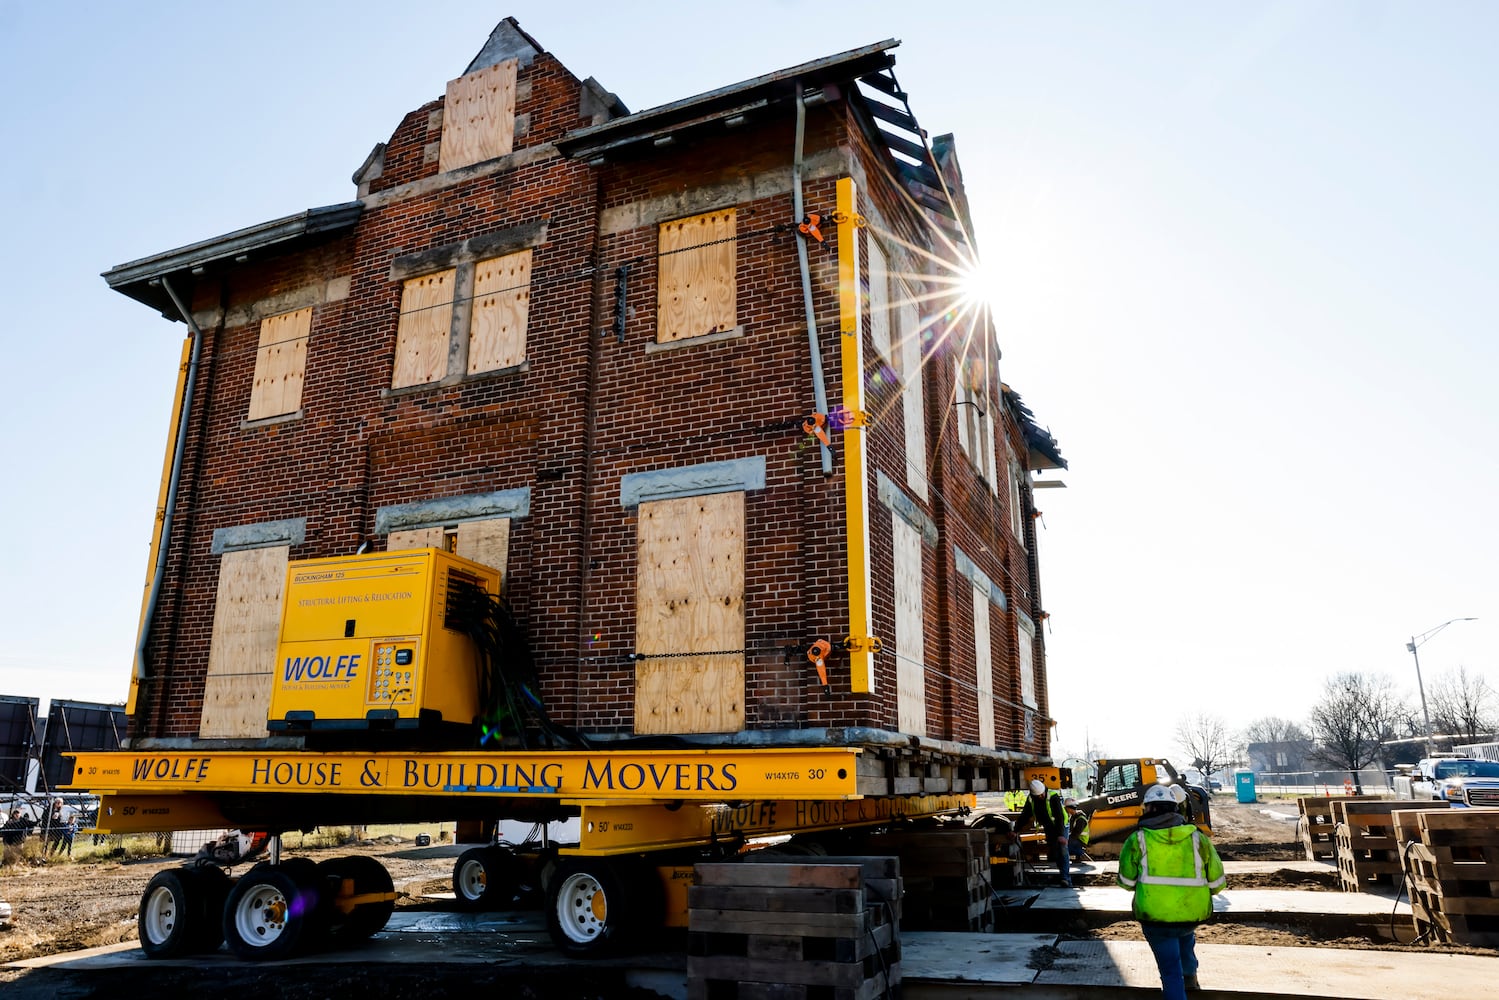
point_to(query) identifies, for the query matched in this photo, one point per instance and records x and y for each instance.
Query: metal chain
(787, 649)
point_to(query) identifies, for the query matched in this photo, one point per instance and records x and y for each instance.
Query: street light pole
(1417, 641)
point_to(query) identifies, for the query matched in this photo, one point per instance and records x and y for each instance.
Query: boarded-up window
(478, 117)
(975, 421)
(502, 299)
(1014, 473)
(1025, 640)
(417, 538)
(913, 402)
(696, 294)
(280, 364)
(910, 656)
(983, 658)
(689, 597)
(879, 299)
(422, 336)
(242, 656)
(486, 542)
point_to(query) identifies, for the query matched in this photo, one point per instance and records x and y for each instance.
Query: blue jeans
(1175, 950)
(1061, 857)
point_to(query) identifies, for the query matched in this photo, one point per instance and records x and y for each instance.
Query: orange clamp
(811, 226)
(818, 654)
(817, 425)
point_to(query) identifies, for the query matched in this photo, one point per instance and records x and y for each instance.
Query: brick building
(584, 346)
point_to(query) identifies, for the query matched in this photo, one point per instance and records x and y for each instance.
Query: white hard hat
(1159, 793)
(1178, 793)
(1038, 787)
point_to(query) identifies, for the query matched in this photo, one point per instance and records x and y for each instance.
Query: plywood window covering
(478, 117)
(879, 298)
(280, 364)
(422, 336)
(416, 538)
(913, 403)
(502, 299)
(486, 541)
(1025, 641)
(696, 294)
(960, 404)
(242, 653)
(983, 658)
(1017, 521)
(689, 597)
(910, 655)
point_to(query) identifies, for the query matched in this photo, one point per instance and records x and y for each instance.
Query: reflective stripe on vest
(1199, 879)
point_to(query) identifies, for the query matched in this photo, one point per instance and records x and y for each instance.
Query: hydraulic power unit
(367, 642)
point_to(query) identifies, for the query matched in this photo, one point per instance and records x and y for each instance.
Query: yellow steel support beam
(126, 813)
(645, 775)
(621, 828)
(161, 508)
(861, 647)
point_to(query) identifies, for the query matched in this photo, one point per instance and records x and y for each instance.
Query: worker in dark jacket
(1044, 809)
(1174, 872)
(1077, 832)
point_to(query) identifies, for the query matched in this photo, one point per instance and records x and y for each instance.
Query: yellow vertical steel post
(161, 505)
(855, 459)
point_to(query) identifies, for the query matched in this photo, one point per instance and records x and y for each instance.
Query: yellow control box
(366, 642)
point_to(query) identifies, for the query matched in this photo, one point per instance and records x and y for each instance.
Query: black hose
(510, 704)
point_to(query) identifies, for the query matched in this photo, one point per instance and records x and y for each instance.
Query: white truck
(1459, 781)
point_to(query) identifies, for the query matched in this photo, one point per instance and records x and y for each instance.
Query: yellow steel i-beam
(855, 461)
(161, 507)
(627, 828)
(686, 775)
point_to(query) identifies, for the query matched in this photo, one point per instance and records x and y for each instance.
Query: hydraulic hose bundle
(510, 704)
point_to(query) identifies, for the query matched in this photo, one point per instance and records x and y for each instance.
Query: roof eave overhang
(141, 279)
(605, 141)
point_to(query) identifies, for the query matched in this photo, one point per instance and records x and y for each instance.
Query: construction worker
(1174, 872)
(1077, 832)
(1045, 810)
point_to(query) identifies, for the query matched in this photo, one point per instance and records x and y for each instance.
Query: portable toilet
(1244, 784)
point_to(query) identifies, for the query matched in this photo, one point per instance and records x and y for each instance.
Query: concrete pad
(1308, 973)
(970, 958)
(1238, 903)
(1110, 867)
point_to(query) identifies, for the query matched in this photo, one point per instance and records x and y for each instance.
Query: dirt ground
(65, 905)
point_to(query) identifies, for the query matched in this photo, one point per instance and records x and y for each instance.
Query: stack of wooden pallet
(1317, 825)
(1454, 869)
(794, 929)
(947, 878)
(1368, 850)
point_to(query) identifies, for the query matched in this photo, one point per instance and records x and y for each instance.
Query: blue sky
(1244, 260)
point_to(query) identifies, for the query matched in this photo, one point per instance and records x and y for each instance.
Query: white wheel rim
(581, 908)
(260, 917)
(471, 880)
(161, 914)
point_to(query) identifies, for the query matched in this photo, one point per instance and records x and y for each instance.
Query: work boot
(1191, 982)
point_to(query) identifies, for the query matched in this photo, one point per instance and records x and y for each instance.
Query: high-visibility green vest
(1174, 874)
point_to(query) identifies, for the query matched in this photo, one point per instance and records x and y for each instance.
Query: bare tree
(1206, 741)
(1358, 712)
(1463, 705)
(1273, 729)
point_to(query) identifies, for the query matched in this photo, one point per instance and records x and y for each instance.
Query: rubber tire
(179, 912)
(253, 937)
(487, 878)
(216, 885)
(369, 875)
(627, 891)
